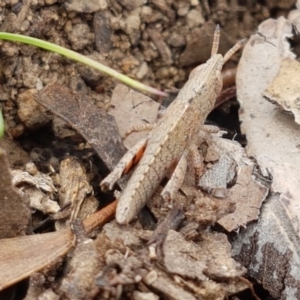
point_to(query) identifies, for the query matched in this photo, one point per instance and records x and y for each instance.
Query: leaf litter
(37, 187)
(139, 265)
(127, 264)
(266, 72)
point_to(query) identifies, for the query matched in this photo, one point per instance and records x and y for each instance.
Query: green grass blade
(80, 58)
(1, 124)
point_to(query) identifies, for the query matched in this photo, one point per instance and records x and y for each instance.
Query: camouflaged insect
(172, 138)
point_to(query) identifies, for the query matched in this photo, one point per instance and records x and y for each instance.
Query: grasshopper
(171, 140)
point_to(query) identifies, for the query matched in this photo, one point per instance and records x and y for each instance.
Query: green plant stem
(80, 58)
(1, 124)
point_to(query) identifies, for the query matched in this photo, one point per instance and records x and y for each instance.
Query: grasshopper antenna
(216, 41)
(234, 49)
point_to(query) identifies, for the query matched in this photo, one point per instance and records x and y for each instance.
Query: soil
(157, 42)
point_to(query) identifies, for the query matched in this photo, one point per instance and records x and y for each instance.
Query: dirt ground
(157, 42)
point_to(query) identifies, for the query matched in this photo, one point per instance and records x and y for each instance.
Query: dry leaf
(132, 109)
(96, 126)
(248, 194)
(294, 16)
(270, 249)
(22, 256)
(284, 90)
(273, 137)
(246, 191)
(37, 187)
(219, 175)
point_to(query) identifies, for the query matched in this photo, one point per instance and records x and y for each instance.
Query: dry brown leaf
(14, 212)
(22, 256)
(132, 109)
(248, 194)
(96, 126)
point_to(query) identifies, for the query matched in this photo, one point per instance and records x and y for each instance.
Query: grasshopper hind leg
(178, 175)
(176, 179)
(130, 159)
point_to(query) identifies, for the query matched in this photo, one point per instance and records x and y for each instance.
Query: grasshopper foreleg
(138, 128)
(210, 128)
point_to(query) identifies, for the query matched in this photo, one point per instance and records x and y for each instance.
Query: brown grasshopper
(171, 140)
